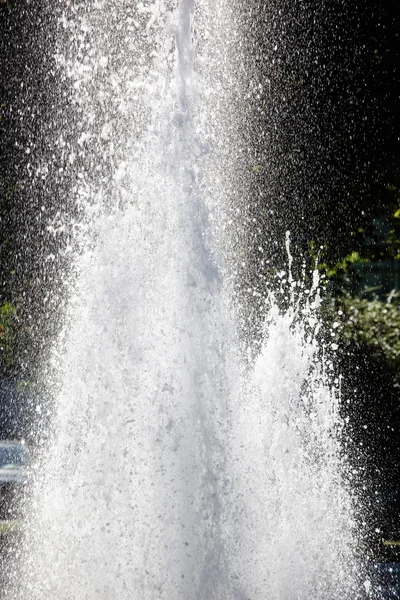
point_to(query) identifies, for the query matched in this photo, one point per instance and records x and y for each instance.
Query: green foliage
(373, 269)
(369, 323)
(7, 335)
(342, 266)
(341, 276)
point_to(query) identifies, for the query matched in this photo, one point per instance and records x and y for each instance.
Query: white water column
(176, 470)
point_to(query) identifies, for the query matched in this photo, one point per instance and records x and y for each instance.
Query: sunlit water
(177, 468)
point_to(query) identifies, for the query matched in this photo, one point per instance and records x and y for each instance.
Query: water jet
(177, 466)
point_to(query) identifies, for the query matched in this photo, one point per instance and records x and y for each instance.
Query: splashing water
(176, 469)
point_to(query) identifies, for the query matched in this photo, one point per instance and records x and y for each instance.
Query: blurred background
(323, 128)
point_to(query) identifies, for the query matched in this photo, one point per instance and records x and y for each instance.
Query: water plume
(176, 467)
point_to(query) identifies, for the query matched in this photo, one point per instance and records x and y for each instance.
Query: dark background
(329, 151)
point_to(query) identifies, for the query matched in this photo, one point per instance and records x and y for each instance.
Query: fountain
(178, 466)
